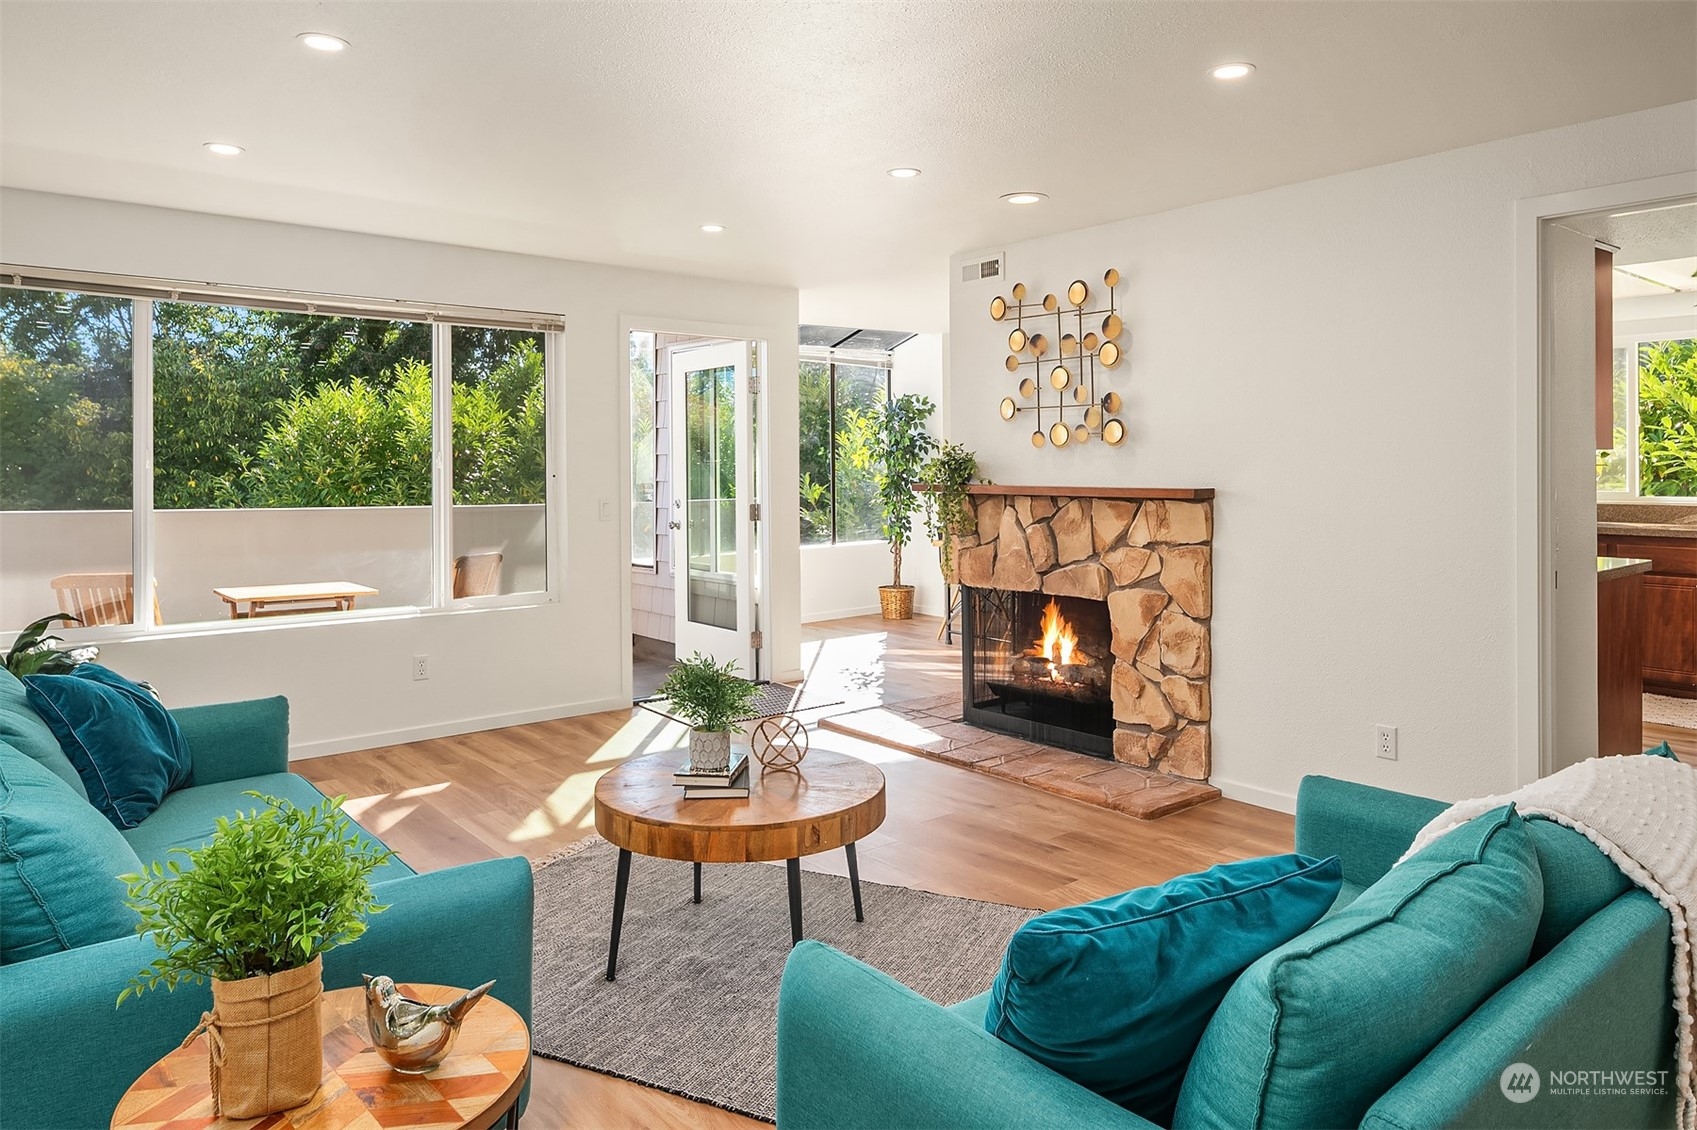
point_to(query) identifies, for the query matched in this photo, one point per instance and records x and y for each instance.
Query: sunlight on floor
(572, 803)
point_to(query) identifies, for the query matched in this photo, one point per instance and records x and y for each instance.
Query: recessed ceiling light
(1025, 197)
(224, 149)
(1229, 71)
(712, 229)
(319, 41)
(904, 173)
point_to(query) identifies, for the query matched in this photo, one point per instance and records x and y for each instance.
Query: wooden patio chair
(101, 598)
(477, 574)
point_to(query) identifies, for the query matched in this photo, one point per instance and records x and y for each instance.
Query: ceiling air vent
(981, 269)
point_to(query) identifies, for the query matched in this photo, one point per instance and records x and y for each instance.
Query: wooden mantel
(1172, 494)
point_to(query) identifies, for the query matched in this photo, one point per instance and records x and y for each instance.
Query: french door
(712, 521)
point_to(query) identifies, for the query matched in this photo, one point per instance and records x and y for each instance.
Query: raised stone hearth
(932, 728)
(1149, 555)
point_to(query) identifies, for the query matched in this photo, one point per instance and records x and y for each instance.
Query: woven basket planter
(263, 1033)
(896, 601)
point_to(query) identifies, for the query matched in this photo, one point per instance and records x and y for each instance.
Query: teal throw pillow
(59, 863)
(1316, 1031)
(1663, 750)
(22, 729)
(124, 744)
(1115, 994)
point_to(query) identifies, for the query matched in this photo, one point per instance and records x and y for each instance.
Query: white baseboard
(863, 610)
(300, 751)
(840, 613)
(1252, 794)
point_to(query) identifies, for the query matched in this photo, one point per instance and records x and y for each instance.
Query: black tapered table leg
(698, 882)
(854, 881)
(793, 867)
(620, 886)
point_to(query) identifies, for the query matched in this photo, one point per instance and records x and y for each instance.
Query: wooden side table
(827, 802)
(475, 1088)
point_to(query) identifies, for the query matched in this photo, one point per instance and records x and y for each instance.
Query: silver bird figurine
(411, 1035)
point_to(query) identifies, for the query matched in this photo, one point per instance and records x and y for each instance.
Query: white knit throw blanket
(1642, 813)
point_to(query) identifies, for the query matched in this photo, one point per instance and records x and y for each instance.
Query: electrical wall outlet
(606, 510)
(420, 667)
(1384, 742)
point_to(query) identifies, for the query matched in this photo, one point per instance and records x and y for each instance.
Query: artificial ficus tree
(891, 442)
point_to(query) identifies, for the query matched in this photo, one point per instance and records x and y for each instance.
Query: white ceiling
(611, 131)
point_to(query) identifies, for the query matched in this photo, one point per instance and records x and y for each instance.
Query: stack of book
(730, 782)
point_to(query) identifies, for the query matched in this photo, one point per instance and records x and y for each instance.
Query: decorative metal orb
(1111, 403)
(1012, 363)
(1112, 277)
(998, 308)
(1109, 354)
(1059, 434)
(1037, 438)
(779, 742)
(1027, 388)
(1080, 434)
(1019, 292)
(1016, 340)
(1112, 325)
(1050, 303)
(1059, 376)
(1008, 408)
(1078, 292)
(1113, 433)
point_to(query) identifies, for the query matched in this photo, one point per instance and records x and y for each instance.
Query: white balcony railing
(196, 551)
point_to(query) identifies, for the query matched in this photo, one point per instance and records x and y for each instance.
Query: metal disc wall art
(1099, 347)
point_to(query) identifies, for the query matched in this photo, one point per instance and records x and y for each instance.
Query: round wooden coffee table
(827, 802)
(475, 1088)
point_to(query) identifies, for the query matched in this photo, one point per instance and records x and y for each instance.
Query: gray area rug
(695, 1008)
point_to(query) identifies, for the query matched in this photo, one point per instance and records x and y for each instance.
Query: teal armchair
(67, 1053)
(858, 1051)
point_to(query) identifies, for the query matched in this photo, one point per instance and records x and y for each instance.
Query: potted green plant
(891, 442)
(35, 652)
(945, 477)
(254, 912)
(710, 697)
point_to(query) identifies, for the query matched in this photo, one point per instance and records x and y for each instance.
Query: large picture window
(838, 502)
(1655, 414)
(300, 461)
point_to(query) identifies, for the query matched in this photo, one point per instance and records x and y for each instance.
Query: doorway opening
(695, 545)
(1618, 370)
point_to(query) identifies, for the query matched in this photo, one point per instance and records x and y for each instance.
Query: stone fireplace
(1129, 573)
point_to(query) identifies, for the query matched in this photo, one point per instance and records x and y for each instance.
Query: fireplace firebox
(1038, 666)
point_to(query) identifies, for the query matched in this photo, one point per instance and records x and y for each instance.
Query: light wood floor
(528, 790)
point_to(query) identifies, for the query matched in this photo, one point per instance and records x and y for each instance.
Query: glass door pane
(714, 607)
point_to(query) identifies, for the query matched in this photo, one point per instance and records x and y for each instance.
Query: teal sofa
(67, 1055)
(858, 1050)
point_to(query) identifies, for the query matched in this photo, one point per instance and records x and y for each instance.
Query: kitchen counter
(1647, 519)
(1613, 568)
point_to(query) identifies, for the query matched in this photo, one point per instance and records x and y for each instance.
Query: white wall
(349, 683)
(842, 580)
(1337, 359)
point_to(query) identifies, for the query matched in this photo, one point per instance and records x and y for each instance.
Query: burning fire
(1058, 640)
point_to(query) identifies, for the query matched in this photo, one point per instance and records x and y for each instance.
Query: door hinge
(756, 640)
(754, 384)
(754, 512)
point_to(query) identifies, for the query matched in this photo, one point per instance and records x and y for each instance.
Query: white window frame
(143, 293)
(652, 565)
(855, 358)
(1631, 343)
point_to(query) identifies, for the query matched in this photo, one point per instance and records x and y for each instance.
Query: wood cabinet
(1669, 609)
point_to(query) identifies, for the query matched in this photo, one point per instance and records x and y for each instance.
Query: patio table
(287, 600)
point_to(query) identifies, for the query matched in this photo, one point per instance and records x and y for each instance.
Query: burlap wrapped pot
(263, 1037)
